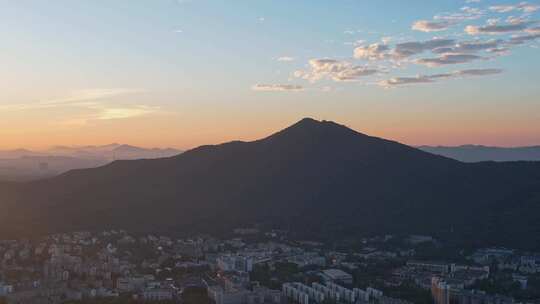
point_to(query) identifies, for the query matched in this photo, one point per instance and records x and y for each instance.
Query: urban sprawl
(255, 267)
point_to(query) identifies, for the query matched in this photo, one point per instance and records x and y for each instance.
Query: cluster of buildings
(508, 259)
(233, 288)
(319, 293)
(422, 272)
(445, 293)
(84, 265)
(77, 266)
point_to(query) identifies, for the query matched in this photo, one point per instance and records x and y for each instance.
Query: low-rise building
(337, 275)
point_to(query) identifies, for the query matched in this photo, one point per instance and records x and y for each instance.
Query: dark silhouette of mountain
(477, 153)
(315, 178)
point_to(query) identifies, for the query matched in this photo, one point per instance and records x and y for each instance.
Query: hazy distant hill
(22, 165)
(316, 178)
(476, 153)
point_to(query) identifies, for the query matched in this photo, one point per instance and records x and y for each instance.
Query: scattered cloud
(466, 13)
(431, 26)
(478, 72)
(277, 88)
(334, 70)
(373, 51)
(396, 53)
(407, 49)
(494, 28)
(518, 40)
(447, 59)
(285, 58)
(399, 81)
(533, 30)
(523, 7)
(470, 46)
(422, 79)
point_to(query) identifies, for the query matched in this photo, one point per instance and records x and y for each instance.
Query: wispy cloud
(494, 28)
(408, 49)
(522, 6)
(465, 13)
(285, 58)
(277, 88)
(423, 79)
(96, 103)
(431, 26)
(447, 59)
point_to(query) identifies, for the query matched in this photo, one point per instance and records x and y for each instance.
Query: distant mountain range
(22, 164)
(315, 178)
(476, 153)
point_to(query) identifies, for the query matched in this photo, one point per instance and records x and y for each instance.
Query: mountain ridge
(24, 165)
(313, 177)
(477, 153)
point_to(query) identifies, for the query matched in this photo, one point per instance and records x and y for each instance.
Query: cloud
(285, 58)
(422, 79)
(334, 70)
(86, 97)
(502, 8)
(94, 102)
(124, 112)
(407, 49)
(447, 59)
(518, 40)
(533, 30)
(399, 81)
(470, 46)
(373, 51)
(431, 26)
(494, 28)
(277, 88)
(477, 72)
(467, 13)
(472, 1)
(523, 7)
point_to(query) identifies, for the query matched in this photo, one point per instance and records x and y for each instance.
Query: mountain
(27, 168)
(24, 165)
(113, 152)
(17, 153)
(315, 178)
(476, 153)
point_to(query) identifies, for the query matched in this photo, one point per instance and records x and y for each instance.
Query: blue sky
(211, 71)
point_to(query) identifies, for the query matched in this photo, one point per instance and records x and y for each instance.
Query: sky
(183, 73)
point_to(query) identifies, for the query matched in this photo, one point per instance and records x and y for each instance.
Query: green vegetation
(195, 295)
(274, 277)
(410, 292)
(118, 300)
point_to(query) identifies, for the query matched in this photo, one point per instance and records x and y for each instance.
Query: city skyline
(186, 73)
